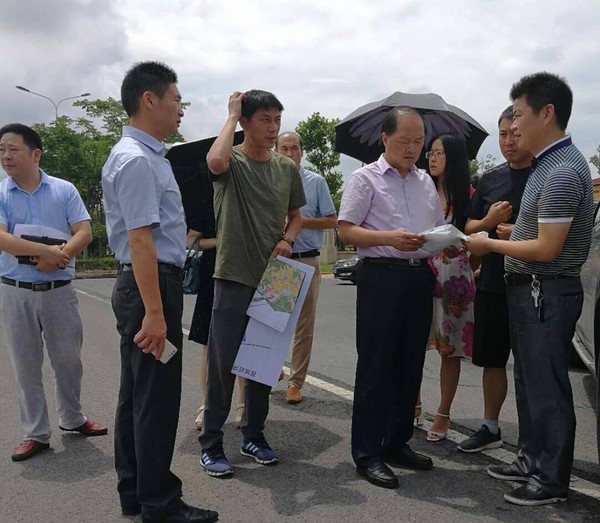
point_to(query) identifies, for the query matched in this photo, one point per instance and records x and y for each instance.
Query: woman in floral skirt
(452, 324)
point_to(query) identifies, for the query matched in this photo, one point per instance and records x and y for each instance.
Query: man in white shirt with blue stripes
(548, 246)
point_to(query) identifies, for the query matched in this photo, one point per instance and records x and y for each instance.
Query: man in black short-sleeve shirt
(494, 209)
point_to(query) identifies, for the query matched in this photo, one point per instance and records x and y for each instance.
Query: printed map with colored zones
(279, 286)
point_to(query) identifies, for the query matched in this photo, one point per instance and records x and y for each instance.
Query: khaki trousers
(303, 338)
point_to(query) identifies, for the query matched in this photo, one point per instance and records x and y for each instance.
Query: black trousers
(543, 390)
(393, 319)
(148, 406)
(229, 321)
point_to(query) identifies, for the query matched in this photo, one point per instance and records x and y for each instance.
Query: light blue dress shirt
(54, 203)
(318, 205)
(139, 191)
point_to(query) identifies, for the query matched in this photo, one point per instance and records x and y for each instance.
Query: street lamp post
(55, 104)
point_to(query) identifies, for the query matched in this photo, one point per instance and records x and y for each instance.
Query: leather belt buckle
(41, 286)
(414, 262)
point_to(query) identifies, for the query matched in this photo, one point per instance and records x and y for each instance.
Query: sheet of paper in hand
(443, 236)
(264, 348)
(276, 294)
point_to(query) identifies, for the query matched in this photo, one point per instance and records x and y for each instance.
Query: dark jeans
(148, 407)
(229, 321)
(393, 319)
(543, 390)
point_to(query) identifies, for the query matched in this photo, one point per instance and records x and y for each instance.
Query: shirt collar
(142, 136)
(43, 179)
(554, 146)
(301, 170)
(384, 167)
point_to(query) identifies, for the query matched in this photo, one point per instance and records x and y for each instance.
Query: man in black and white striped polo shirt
(549, 243)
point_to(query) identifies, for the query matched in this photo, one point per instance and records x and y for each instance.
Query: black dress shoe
(406, 457)
(532, 496)
(378, 474)
(131, 509)
(185, 514)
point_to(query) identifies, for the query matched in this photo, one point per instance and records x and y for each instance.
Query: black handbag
(191, 269)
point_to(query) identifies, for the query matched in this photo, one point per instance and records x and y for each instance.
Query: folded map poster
(276, 294)
(264, 348)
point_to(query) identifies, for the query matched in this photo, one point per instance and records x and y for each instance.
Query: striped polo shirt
(559, 190)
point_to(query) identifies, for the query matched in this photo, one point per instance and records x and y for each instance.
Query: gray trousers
(544, 397)
(30, 320)
(227, 329)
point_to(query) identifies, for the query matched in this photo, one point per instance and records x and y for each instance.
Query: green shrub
(97, 264)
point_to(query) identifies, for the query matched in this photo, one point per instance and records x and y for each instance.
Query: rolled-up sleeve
(137, 192)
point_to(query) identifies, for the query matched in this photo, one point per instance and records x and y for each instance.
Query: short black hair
(507, 114)
(142, 77)
(541, 89)
(30, 137)
(295, 134)
(256, 99)
(390, 120)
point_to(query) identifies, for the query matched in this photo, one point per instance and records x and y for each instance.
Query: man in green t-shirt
(256, 189)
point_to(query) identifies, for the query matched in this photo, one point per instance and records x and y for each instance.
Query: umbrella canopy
(359, 134)
(191, 172)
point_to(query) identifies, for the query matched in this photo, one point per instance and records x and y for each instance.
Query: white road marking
(587, 488)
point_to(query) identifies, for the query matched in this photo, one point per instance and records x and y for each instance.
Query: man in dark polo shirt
(548, 246)
(494, 209)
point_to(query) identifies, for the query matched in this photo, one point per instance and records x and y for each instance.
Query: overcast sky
(327, 56)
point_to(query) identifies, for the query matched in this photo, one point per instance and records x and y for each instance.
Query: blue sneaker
(259, 449)
(215, 463)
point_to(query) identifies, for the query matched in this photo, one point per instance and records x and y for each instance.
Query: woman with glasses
(452, 325)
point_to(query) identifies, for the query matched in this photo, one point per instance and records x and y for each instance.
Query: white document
(263, 349)
(443, 236)
(276, 294)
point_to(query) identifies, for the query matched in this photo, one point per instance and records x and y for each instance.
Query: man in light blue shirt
(36, 296)
(146, 230)
(317, 215)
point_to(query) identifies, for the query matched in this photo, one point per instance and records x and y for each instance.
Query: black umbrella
(191, 172)
(359, 134)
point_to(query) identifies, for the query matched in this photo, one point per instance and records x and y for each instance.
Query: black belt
(308, 254)
(40, 286)
(515, 278)
(164, 268)
(401, 262)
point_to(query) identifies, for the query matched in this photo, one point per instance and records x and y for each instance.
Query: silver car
(587, 332)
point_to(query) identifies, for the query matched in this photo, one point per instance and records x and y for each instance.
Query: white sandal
(434, 436)
(199, 418)
(420, 417)
(240, 414)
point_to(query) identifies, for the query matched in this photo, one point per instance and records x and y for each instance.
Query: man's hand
(499, 212)
(504, 230)
(282, 248)
(52, 257)
(403, 240)
(152, 335)
(479, 244)
(235, 105)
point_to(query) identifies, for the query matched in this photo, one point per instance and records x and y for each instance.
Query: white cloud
(329, 57)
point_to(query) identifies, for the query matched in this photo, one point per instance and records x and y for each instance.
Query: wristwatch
(287, 239)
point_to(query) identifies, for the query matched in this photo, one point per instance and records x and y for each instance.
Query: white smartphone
(168, 352)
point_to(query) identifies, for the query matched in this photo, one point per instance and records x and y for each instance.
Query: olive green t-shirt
(252, 200)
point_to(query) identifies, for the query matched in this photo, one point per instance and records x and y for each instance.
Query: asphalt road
(315, 481)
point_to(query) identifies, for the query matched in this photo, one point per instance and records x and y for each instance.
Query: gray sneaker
(482, 439)
(507, 473)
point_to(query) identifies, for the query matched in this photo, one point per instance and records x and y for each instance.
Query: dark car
(587, 332)
(346, 269)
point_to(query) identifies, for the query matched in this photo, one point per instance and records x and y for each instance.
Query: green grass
(326, 268)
